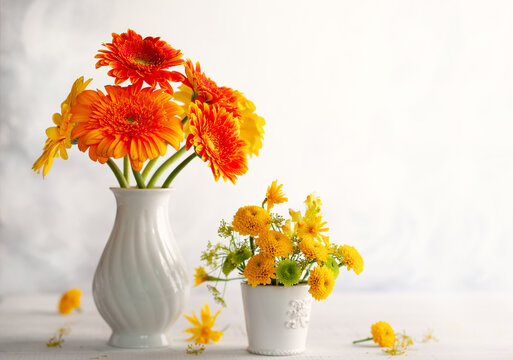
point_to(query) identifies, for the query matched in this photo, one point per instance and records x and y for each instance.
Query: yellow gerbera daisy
(311, 228)
(321, 281)
(274, 195)
(383, 334)
(274, 243)
(313, 249)
(70, 300)
(251, 125)
(352, 258)
(260, 269)
(251, 220)
(200, 276)
(59, 136)
(202, 333)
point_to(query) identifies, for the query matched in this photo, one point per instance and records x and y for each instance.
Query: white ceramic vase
(277, 318)
(140, 286)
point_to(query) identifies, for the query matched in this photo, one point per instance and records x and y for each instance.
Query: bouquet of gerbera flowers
(266, 249)
(138, 121)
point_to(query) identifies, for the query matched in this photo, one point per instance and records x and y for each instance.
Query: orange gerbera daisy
(197, 86)
(206, 89)
(132, 57)
(126, 121)
(215, 135)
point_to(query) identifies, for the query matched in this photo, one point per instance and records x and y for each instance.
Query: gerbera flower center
(211, 144)
(141, 61)
(143, 53)
(130, 118)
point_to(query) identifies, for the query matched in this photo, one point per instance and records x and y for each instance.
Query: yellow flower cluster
(280, 251)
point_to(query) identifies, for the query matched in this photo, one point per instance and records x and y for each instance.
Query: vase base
(276, 352)
(138, 341)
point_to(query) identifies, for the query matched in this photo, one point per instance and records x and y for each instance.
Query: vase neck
(142, 198)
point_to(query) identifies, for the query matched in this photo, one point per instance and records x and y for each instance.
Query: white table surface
(468, 326)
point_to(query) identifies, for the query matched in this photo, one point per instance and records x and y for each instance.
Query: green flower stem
(307, 271)
(164, 166)
(119, 175)
(177, 170)
(148, 167)
(252, 245)
(212, 278)
(138, 179)
(362, 340)
(126, 169)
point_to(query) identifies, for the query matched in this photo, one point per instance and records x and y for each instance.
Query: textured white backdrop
(398, 113)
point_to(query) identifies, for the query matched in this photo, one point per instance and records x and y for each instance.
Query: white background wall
(398, 113)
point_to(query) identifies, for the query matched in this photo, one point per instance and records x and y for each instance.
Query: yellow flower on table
(70, 300)
(202, 333)
(352, 258)
(383, 334)
(321, 282)
(274, 195)
(251, 220)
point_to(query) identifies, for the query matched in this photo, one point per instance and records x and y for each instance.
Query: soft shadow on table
(28, 313)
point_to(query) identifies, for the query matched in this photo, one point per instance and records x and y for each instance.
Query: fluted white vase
(140, 286)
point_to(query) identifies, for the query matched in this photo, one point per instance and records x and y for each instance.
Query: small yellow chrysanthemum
(311, 228)
(70, 300)
(321, 281)
(352, 258)
(274, 243)
(313, 249)
(383, 334)
(202, 333)
(274, 195)
(200, 276)
(251, 220)
(260, 270)
(59, 136)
